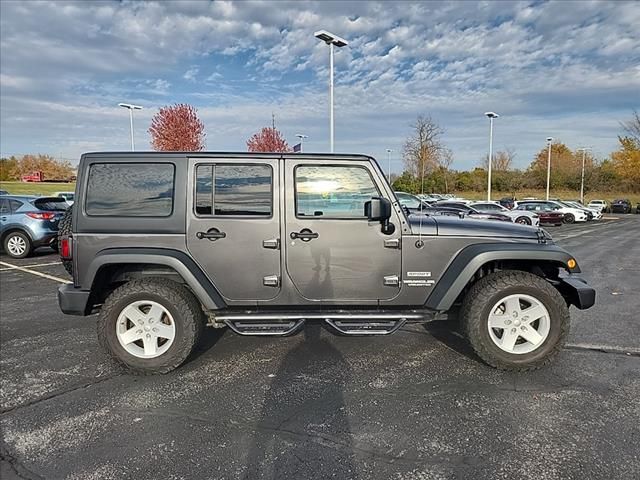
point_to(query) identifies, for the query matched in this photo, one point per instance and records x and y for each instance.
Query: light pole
(131, 108)
(549, 140)
(490, 116)
(331, 40)
(584, 153)
(301, 137)
(389, 163)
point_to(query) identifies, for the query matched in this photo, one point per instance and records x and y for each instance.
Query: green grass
(44, 188)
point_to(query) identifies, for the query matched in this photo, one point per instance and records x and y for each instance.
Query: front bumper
(577, 291)
(73, 301)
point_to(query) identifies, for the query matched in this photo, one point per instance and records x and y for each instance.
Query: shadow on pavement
(303, 429)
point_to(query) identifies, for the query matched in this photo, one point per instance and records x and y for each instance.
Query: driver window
(331, 191)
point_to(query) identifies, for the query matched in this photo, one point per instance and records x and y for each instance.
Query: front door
(234, 225)
(333, 253)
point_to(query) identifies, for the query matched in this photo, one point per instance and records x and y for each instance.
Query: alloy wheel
(145, 329)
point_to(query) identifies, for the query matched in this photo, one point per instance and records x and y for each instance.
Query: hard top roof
(150, 155)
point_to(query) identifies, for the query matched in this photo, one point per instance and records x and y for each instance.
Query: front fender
(470, 259)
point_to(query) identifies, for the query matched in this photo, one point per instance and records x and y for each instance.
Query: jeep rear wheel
(150, 325)
(515, 320)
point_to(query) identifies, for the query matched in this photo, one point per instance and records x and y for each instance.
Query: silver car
(522, 217)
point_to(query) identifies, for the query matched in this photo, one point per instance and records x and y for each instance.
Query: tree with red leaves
(269, 139)
(177, 128)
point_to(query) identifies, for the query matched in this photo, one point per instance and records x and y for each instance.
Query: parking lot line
(33, 272)
(32, 266)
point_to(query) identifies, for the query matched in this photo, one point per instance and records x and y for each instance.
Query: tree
(632, 127)
(269, 139)
(626, 161)
(502, 160)
(177, 128)
(423, 150)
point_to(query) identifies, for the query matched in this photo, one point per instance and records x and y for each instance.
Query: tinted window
(333, 191)
(486, 206)
(130, 189)
(234, 190)
(4, 206)
(15, 204)
(55, 204)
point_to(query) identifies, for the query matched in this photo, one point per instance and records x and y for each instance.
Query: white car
(523, 217)
(68, 196)
(601, 205)
(597, 214)
(571, 214)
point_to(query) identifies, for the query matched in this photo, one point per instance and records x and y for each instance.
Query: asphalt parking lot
(415, 405)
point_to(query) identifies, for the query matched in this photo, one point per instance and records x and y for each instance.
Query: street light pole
(491, 116)
(331, 40)
(584, 153)
(389, 163)
(131, 108)
(549, 140)
(301, 137)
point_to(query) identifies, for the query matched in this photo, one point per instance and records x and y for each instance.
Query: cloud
(548, 68)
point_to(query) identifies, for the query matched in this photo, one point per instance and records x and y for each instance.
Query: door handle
(305, 235)
(212, 234)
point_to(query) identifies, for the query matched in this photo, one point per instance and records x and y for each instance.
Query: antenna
(420, 243)
(273, 120)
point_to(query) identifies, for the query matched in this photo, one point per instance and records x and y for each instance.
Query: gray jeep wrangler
(164, 244)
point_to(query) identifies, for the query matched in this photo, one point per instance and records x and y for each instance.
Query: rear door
(333, 253)
(5, 211)
(233, 229)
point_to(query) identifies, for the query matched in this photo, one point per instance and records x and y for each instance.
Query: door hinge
(391, 281)
(271, 281)
(392, 243)
(273, 243)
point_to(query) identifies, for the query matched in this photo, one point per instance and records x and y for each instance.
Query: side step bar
(345, 322)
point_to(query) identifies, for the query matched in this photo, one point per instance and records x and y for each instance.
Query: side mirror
(378, 209)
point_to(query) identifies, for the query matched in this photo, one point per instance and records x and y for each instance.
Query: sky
(570, 70)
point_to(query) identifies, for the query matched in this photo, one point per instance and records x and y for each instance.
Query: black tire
(17, 236)
(523, 220)
(569, 218)
(184, 308)
(65, 227)
(491, 289)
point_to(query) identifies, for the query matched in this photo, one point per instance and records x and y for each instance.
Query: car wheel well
(111, 276)
(547, 269)
(13, 230)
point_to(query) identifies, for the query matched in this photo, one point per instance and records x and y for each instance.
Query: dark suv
(163, 244)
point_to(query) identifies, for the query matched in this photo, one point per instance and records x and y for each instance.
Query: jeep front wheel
(150, 325)
(515, 320)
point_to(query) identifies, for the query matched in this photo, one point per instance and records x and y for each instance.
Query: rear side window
(130, 189)
(234, 190)
(15, 205)
(4, 206)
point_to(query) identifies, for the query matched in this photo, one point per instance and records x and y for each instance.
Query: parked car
(546, 214)
(571, 214)
(412, 203)
(638, 208)
(68, 196)
(167, 243)
(621, 206)
(472, 212)
(595, 214)
(508, 202)
(28, 222)
(4, 192)
(523, 217)
(600, 205)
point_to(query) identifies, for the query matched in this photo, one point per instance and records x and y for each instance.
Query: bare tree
(502, 160)
(632, 127)
(423, 149)
(444, 162)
